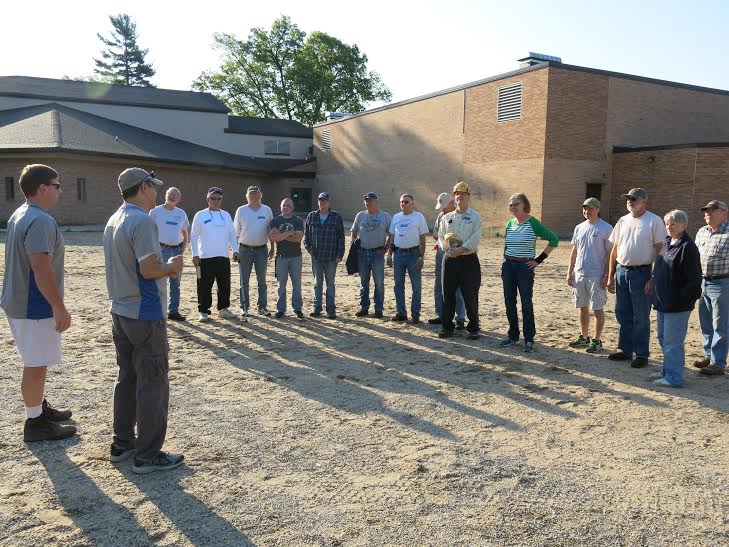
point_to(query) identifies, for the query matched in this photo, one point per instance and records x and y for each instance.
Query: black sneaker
(435, 321)
(398, 318)
(639, 362)
(43, 429)
(364, 312)
(378, 314)
(315, 314)
(445, 334)
(121, 450)
(460, 325)
(415, 320)
(620, 356)
(299, 315)
(279, 314)
(331, 315)
(54, 414)
(163, 462)
(176, 316)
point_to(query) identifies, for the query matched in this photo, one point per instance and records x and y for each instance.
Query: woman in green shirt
(517, 271)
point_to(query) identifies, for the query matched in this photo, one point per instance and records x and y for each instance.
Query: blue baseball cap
(214, 190)
(324, 195)
(370, 195)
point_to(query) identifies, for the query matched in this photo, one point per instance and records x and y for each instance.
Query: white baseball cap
(443, 200)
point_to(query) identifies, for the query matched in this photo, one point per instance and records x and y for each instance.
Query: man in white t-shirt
(172, 226)
(588, 273)
(251, 225)
(408, 229)
(637, 239)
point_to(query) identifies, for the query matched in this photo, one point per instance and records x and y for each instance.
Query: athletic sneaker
(279, 314)
(713, 370)
(460, 325)
(580, 342)
(163, 462)
(43, 429)
(398, 318)
(529, 347)
(378, 314)
(264, 312)
(54, 414)
(299, 315)
(315, 313)
(204, 318)
(176, 316)
(595, 346)
(225, 313)
(364, 312)
(664, 383)
(121, 450)
(656, 376)
(507, 342)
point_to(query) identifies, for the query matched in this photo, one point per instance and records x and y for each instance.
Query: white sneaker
(656, 376)
(204, 317)
(225, 313)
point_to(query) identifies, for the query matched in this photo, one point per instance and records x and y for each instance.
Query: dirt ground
(364, 432)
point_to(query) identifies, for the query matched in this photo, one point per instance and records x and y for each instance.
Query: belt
(408, 250)
(170, 246)
(252, 247)
(374, 248)
(635, 267)
(517, 259)
(715, 277)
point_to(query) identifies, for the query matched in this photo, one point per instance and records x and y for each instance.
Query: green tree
(123, 62)
(283, 74)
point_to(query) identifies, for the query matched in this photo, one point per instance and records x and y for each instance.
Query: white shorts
(37, 340)
(587, 291)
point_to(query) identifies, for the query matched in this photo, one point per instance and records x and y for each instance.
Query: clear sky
(417, 47)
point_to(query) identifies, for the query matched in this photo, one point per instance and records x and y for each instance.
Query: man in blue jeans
(408, 229)
(251, 225)
(286, 234)
(173, 227)
(324, 241)
(713, 243)
(444, 204)
(637, 239)
(372, 227)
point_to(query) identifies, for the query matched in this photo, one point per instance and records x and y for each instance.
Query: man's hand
(611, 285)
(419, 263)
(454, 252)
(571, 279)
(175, 264)
(235, 257)
(196, 261)
(604, 281)
(648, 290)
(388, 261)
(270, 253)
(338, 260)
(61, 318)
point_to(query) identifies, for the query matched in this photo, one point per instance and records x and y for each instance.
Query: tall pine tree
(123, 61)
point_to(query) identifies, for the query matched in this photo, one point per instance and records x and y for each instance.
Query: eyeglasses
(56, 184)
(404, 201)
(215, 198)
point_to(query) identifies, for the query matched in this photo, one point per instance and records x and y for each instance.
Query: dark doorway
(302, 199)
(593, 190)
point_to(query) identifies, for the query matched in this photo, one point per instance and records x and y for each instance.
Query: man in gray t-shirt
(32, 297)
(372, 228)
(135, 279)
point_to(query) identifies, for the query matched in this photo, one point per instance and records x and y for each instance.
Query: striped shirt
(714, 249)
(521, 239)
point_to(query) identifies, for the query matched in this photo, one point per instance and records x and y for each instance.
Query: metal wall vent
(509, 105)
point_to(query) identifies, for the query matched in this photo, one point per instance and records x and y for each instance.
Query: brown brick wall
(103, 193)
(712, 180)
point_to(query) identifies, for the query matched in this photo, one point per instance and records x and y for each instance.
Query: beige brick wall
(103, 193)
(711, 180)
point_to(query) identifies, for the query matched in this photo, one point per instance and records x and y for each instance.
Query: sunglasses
(215, 198)
(632, 199)
(56, 184)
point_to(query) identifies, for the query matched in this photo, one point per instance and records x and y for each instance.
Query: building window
(9, 189)
(81, 189)
(277, 148)
(509, 103)
(326, 139)
(593, 190)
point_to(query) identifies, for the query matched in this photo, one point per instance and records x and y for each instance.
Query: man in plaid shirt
(324, 241)
(713, 243)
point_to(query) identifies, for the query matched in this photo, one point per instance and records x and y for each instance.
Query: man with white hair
(444, 204)
(173, 228)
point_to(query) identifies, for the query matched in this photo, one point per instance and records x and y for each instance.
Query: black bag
(353, 257)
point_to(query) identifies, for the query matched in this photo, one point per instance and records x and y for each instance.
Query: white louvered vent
(326, 139)
(509, 106)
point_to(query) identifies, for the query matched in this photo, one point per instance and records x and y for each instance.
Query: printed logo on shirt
(207, 221)
(172, 223)
(261, 217)
(286, 227)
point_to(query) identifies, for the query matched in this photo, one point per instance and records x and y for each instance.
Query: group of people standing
(644, 261)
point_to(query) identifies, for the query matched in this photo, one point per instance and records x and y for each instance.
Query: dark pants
(517, 276)
(463, 272)
(213, 270)
(142, 390)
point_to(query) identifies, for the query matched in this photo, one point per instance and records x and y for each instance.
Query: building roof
(622, 149)
(539, 66)
(71, 90)
(267, 126)
(53, 127)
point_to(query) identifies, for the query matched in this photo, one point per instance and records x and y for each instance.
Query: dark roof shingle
(266, 126)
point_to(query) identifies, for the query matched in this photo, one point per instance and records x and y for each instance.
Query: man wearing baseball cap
(372, 227)
(713, 243)
(637, 239)
(212, 236)
(588, 273)
(324, 241)
(459, 236)
(136, 282)
(444, 204)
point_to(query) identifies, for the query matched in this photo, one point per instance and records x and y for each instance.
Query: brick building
(557, 132)
(91, 132)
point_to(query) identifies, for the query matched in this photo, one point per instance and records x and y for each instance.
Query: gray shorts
(586, 291)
